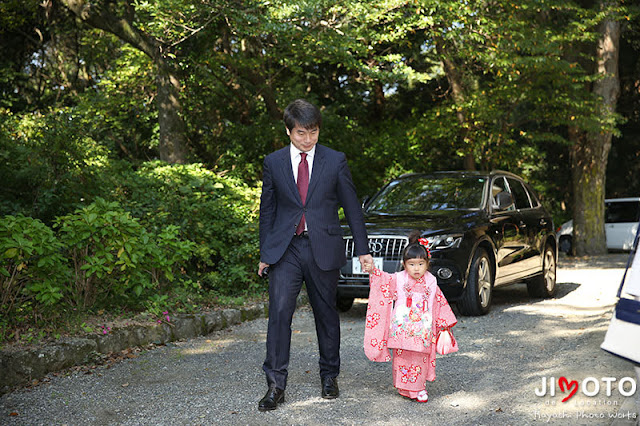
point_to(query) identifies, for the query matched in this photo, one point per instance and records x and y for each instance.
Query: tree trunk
(588, 166)
(252, 47)
(378, 101)
(257, 79)
(454, 77)
(172, 143)
(590, 150)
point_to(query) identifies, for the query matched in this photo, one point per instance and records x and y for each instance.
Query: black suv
(485, 229)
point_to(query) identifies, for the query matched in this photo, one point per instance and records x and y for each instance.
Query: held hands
(366, 262)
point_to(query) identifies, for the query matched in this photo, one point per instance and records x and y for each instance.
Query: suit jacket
(281, 208)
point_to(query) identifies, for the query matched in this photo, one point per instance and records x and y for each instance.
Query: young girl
(411, 325)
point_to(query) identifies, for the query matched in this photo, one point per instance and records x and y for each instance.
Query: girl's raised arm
(383, 282)
(381, 295)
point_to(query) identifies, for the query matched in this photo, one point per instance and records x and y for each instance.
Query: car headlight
(446, 241)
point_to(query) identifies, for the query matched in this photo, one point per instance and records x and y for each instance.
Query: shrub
(102, 242)
(49, 164)
(31, 264)
(112, 254)
(166, 255)
(216, 212)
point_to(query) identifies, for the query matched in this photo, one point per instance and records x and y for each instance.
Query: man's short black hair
(303, 113)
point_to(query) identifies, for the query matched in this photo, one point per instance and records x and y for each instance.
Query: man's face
(303, 139)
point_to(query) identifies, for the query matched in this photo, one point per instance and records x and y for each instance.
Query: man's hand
(366, 262)
(261, 267)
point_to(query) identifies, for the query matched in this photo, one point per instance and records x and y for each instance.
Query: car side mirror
(505, 200)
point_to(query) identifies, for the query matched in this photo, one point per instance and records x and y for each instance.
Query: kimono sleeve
(382, 293)
(443, 314)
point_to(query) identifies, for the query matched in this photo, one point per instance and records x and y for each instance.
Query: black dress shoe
(330, 388)
(273, 397)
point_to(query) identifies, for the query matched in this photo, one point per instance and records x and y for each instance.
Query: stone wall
(21, 366)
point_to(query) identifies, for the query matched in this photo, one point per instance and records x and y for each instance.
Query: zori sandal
(423, 396)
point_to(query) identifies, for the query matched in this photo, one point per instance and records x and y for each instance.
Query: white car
(621, 224)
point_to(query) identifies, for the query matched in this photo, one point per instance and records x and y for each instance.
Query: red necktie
(303, 186)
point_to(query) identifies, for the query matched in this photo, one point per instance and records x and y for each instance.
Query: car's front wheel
(544, 285)
(477, 297)
(344, 303)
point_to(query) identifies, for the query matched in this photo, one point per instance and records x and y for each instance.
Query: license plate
(357, 270)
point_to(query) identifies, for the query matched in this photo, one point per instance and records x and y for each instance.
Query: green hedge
(218, 213)
(155, 236)
(114, 258)
(50, 165)
(31, 264)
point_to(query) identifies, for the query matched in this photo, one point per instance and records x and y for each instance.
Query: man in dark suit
(303, 187)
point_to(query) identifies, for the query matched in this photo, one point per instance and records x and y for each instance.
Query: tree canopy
(403, 85)
(132, 132)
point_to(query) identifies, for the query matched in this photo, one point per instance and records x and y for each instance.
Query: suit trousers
(285, 281)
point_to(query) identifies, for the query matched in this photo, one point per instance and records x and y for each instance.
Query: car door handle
(522, 224)
(543, 222)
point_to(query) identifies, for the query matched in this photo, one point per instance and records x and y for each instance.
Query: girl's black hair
(415, 250)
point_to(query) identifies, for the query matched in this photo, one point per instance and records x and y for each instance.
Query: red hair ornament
(425, 243)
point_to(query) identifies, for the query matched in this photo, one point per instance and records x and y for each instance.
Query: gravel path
(503, 359)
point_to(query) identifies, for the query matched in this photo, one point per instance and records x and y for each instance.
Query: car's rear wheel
(544, 285)
(565, 244)
(477, 297)
(344, 303)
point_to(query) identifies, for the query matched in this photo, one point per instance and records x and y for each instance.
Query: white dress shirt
(296, 157)
(295, 162)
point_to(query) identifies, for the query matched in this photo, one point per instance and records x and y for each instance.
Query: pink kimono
(410, 327)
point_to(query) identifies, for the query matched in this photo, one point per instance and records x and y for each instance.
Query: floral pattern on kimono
(411, 323)
(409, 374)
(410, 330)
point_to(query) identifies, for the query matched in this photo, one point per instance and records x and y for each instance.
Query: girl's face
(416, 268)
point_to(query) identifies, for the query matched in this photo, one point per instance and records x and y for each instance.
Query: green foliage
(174, 230)
(31, 264)
(113, 255)
(49, 164)
(121, 112)
(156, 304)
(167, 254)
(80, 121)
(217, 213)
(104, 244)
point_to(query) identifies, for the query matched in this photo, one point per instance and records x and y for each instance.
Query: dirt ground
(497, 377)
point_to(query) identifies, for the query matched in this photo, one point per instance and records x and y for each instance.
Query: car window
(519, 194)
(420, 194)
(622, 211)
(533, 197)
(499, 185)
